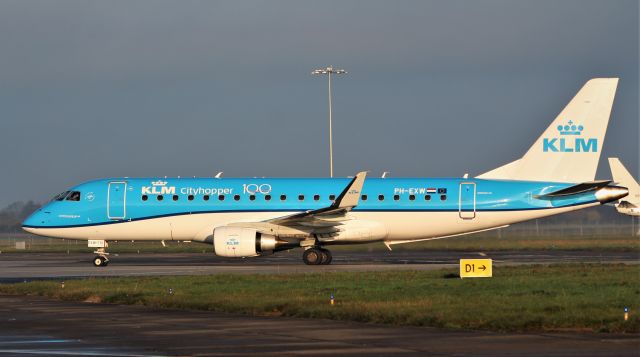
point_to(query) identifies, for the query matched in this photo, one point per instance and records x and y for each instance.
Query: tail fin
(569, 150)
(622, 177)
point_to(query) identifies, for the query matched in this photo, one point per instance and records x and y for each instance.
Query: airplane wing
(319, 221)
(348, 199)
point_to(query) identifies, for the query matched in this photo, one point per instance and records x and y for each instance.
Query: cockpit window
(73, 196)
(60, 196)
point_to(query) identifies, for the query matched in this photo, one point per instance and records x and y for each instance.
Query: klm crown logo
(570, 129)
(565, 143)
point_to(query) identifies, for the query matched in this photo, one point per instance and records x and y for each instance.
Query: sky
(94, 89)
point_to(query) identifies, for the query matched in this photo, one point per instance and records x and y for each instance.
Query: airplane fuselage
(391, 209)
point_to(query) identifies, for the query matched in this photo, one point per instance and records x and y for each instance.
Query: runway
(19, 267)
(38, 326)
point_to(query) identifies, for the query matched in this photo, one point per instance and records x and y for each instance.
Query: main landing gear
(317, 256)
(101, 259)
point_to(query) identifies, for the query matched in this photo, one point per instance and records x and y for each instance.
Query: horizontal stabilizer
(577, 189)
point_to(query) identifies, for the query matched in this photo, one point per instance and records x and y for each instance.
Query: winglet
(351, 195)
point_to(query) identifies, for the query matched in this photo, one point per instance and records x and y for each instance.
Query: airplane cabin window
(364, 197)
(283, 197)
(300, 197)
(252, 197)
(73, 196)
(175, 197)
(316, 197)
(190, 197)
(380, 197)
(427, 197)
(60, 196)
(332, 197)
(221, 197)
(145, 197)
(205, 197)
(236, 197)
(267, 197)
(412, 197)
(396, 197)
(443, 197)
(159, 197)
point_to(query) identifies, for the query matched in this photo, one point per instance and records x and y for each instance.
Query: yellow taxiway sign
(476, 268)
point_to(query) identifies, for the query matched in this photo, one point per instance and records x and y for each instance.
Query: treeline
(11, 217)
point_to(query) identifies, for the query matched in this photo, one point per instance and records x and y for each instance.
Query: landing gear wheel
(326, 257)
(100, 261)
(312, 256)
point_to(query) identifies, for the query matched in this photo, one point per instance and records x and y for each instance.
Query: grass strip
(535, 298)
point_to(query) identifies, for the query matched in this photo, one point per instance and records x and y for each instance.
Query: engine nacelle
(243, 242)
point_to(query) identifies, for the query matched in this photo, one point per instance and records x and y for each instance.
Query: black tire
(326, 257)
(99, 261)
(312, 256)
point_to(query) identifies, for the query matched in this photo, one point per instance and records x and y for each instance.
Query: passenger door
(116, 200)
(467, 200)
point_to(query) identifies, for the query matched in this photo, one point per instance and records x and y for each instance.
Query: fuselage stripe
(302, 210)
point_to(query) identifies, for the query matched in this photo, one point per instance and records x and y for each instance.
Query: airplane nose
(611, 193)
(37, 219)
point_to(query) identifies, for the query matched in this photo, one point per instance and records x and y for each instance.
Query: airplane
(631, 204)
(248, 217)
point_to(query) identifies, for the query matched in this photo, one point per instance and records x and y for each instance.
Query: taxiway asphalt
(30, 266)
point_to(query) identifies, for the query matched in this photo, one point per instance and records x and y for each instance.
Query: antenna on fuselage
(466, 175)
(218, 175)
(384, 174)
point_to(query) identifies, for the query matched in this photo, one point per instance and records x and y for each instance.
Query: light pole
(329, 71)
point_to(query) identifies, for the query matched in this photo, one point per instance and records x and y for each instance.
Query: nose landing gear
(317, 256)
(101, 259)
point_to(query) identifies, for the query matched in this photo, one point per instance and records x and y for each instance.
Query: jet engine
(245, 242)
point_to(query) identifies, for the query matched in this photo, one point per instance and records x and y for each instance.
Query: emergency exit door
(116, 200)
(467, 200)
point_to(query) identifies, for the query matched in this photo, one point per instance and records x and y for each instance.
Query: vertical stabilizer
(569, 149)
(622, 177)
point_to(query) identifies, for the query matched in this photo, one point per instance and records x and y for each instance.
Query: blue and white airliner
(621, 176)
(247, 217)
